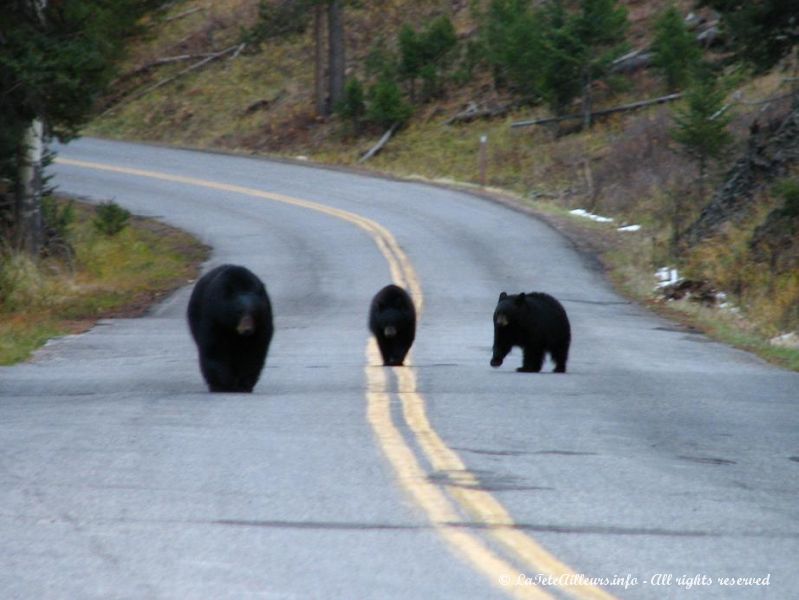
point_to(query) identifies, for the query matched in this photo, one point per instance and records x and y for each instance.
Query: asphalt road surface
(661, 461)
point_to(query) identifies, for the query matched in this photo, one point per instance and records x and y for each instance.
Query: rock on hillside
(771, 151)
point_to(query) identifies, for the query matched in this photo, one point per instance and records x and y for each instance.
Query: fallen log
(379, 145)
(600, 113)
(159, 62)
(209, 58)
(185, 13)
(473, 112)
(632, 61)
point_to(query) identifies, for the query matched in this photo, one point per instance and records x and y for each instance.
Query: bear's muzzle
(246, 325)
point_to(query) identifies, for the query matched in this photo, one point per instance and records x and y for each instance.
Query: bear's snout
(246, 325)
(496, 362)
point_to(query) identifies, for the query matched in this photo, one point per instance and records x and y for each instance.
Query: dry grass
(111, 276)
(626, 167)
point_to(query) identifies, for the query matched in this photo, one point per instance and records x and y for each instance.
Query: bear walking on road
(230, 318)
(538, 324)
(392, 320)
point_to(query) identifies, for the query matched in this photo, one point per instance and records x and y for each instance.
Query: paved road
(661, 453)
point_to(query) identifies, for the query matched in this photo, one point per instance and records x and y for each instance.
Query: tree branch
(600, 113)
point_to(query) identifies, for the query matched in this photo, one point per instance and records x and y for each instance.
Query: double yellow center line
(467, 517)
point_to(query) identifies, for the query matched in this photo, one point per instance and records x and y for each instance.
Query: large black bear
(392, 320)
(230, 318)
(538, 324)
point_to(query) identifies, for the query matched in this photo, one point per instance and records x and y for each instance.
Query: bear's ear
(520, 299)
(503, 295)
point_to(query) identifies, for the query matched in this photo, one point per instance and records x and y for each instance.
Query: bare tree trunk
(28, 212)
(702, 178)
(587, 100)
(338, 63)
(319, 61)
(28, 208)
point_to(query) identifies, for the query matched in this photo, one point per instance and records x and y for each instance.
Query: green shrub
(386, 105)
(58, 219)
(353, 106)
(110, 218)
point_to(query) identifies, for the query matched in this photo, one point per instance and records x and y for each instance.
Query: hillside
(191, 81)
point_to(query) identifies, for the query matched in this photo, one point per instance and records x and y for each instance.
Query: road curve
(662, 461)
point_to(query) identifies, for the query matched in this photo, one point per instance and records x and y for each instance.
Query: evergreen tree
(563, 58)
(55, 59)
(701, 125)
(424, 54)
(411, 61)
(599, 28)
(353, 106)
(512, 36)
(386, 106)
(555, 51)
(438, 39)
(676, 53)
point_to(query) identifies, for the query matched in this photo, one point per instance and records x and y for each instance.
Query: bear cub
(392, 320)
(538, 324)
(230, 318)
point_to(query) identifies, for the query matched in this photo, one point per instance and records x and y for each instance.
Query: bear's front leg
(218, 375)
(500, 351)
(532, 361)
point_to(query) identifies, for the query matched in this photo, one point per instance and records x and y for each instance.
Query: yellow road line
(383, 238)
(428, 496)
(480, 505)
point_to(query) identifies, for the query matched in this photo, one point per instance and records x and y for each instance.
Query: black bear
(538, 324)
(230, 318)
(392, 320)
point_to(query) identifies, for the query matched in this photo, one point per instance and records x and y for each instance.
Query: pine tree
(675, 51)
(55, 59)
(599, 27)
(423, 54)
(386, 107)
(512, 36)
(701, 125)
(411, 61)
(353, 105)
(563, 58)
